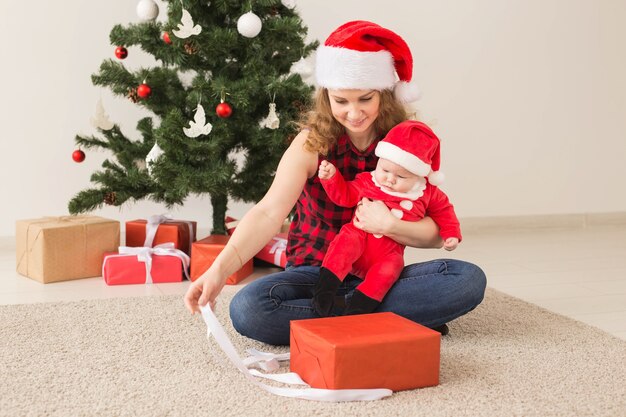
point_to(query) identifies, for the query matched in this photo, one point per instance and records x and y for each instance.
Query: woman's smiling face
(356, 110)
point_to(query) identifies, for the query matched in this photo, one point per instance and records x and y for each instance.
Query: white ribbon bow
(279, 246)
(153, 223)
(269, 361)
(144, 254)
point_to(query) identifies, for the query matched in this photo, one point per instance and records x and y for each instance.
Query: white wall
(529, 98)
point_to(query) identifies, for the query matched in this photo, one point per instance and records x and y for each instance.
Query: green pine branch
(253, 72)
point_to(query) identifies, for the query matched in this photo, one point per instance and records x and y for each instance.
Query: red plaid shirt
(318, 219)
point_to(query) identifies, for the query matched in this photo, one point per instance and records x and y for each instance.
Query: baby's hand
(327, 170)
(451, 243)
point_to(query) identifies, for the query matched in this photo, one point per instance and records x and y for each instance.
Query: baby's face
(392, 177)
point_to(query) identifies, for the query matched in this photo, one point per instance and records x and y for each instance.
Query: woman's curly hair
(324, 130)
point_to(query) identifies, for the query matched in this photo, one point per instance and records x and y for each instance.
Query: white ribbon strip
(316, 394)
(265, 360)
(152, 225)
(144, 254)
(278, 248)
(232, 224)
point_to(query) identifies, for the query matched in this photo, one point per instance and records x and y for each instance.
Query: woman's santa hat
(363, 55)
(414, 147)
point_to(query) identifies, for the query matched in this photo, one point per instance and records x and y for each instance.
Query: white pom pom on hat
(416, 148)
(436, 178)
(407, 92)
(364, 55)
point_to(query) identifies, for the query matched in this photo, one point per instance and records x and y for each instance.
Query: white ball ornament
(147, 10)
(249, 25)
(302, 67)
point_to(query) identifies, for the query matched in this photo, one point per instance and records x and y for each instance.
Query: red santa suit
(378, 259)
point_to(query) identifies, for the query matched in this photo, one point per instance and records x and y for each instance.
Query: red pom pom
(144, 91)
(78, 155)
(166, 38)
(224, 110)
(121, 52)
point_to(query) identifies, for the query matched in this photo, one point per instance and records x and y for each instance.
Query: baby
(405, 179)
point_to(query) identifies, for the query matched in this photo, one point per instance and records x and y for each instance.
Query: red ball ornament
(166, 38)
(121, 52)
(223, 110)
(144, 90)
(78, 155)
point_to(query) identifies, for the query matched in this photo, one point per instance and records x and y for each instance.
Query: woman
(358, 102)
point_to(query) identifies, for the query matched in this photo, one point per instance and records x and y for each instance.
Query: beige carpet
(149, 357)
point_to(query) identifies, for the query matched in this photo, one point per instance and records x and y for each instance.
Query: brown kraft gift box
(54, 249)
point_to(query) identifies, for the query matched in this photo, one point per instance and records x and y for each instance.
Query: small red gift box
(204, 252)
(144, 265)
(231, 224)
(379, 350)
(162, 230)
(274, 251)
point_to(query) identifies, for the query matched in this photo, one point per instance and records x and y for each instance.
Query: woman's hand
(373, 216)
(202, 291)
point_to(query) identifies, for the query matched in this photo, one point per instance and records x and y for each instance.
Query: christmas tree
(243, 57)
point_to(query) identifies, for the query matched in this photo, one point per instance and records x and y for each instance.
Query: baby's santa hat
(415, 147)
(363, 55)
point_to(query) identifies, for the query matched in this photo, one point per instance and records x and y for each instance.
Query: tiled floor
(580, 273)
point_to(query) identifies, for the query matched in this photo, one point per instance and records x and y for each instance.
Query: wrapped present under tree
(205, 251)
(54, 249)
(274, 251)
(161, 229)
(144, 265)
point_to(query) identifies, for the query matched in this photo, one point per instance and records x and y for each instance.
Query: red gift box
(181, 232)
(379, 350)
(231, 224)
(158, 265)
(205, 251)
(274, 251)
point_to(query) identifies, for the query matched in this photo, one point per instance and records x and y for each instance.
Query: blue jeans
(430, 293)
